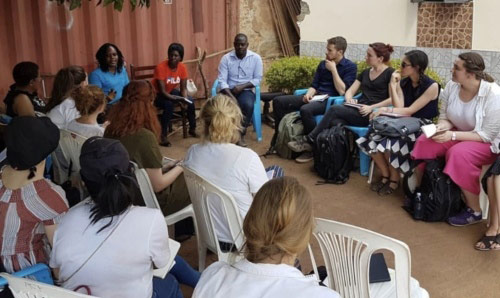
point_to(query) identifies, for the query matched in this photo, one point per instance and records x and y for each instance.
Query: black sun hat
(29, 140)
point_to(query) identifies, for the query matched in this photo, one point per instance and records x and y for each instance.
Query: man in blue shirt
(239, 72)
(333, 76)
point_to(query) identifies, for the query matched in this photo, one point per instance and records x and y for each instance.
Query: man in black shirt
(333, 76)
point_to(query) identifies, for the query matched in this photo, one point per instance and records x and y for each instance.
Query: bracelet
(453, 136)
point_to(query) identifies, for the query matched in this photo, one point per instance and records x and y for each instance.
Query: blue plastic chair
(257, 123)
(40, 272)
(331, 100)
(364, 159)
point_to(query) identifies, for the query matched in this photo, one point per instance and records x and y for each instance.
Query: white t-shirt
(235, 169)
(248, 280)
(85, 130)
(123, 265)
(462, 114)
(64, 113)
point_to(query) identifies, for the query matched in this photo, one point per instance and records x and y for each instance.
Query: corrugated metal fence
(54, 37)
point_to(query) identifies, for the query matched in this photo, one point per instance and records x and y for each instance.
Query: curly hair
(279, 222)
(137, 104)
(88, 99)
(101, 57)
(221, 120)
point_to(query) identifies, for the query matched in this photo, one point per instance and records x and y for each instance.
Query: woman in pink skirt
(468, 124)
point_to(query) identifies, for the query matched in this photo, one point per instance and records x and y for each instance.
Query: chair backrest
(347, 250)
(147, 191)
(71, 146)
(147, 72)
(27, 288)
(209, 201)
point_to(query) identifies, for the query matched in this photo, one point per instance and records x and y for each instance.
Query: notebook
(353, 105)
(174, 248)
(378, 269)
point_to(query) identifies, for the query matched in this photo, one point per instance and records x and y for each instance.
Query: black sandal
(487, 241)
(387, 189)
(376, 187)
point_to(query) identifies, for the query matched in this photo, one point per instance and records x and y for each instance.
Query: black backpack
(440, 198)
(333, 155)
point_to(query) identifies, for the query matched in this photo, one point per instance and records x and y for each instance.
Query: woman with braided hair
(277, 229)
(468, 126)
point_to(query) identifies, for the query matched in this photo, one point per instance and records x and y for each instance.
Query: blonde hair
(279, 222)
(221, 119)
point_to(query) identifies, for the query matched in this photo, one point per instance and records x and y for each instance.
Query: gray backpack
(290, 129)
(395, 127)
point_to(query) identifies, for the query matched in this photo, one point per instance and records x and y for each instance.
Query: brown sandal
(387, 189)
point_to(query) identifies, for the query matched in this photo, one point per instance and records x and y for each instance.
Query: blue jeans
(182, 273)
(166, 288)
(167, 106)
(246, 100)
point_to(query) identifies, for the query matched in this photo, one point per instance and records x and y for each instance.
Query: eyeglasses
(404, 64)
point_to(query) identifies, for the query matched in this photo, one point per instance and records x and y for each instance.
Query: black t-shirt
(377, 90)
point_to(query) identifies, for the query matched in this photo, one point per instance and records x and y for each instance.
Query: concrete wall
(362, 21)
(485, 24)
(257, 23)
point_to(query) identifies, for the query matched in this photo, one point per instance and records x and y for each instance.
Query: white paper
(429, 130)
(319, 97)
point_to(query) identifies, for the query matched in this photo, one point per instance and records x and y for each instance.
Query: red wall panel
(54, 37)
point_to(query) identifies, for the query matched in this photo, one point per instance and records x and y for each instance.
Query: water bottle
(418, 207)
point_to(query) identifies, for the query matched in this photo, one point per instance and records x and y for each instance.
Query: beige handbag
(191, 88)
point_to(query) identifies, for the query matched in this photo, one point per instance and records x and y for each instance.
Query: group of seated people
(468, 126)
(96, 245)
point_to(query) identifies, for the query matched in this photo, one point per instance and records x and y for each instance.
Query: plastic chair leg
(257, 122)
(364, 164)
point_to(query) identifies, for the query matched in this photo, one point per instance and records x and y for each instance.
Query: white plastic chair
(483, 197)
(210, 201)
(347, 250)
(151, 202)
(68, 152)
(27, 288)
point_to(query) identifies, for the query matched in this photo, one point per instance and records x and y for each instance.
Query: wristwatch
(453, 136)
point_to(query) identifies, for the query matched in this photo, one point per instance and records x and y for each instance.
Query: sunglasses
(404, 64)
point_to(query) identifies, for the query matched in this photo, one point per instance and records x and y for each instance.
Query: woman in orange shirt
(170, 80)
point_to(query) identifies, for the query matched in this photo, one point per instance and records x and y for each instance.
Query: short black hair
(101, 57)
(176, 47)
(240, 35)
(24, 72)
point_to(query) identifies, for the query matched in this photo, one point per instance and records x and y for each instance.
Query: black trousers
(285, 104)
(339, 114)
(168, 110)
